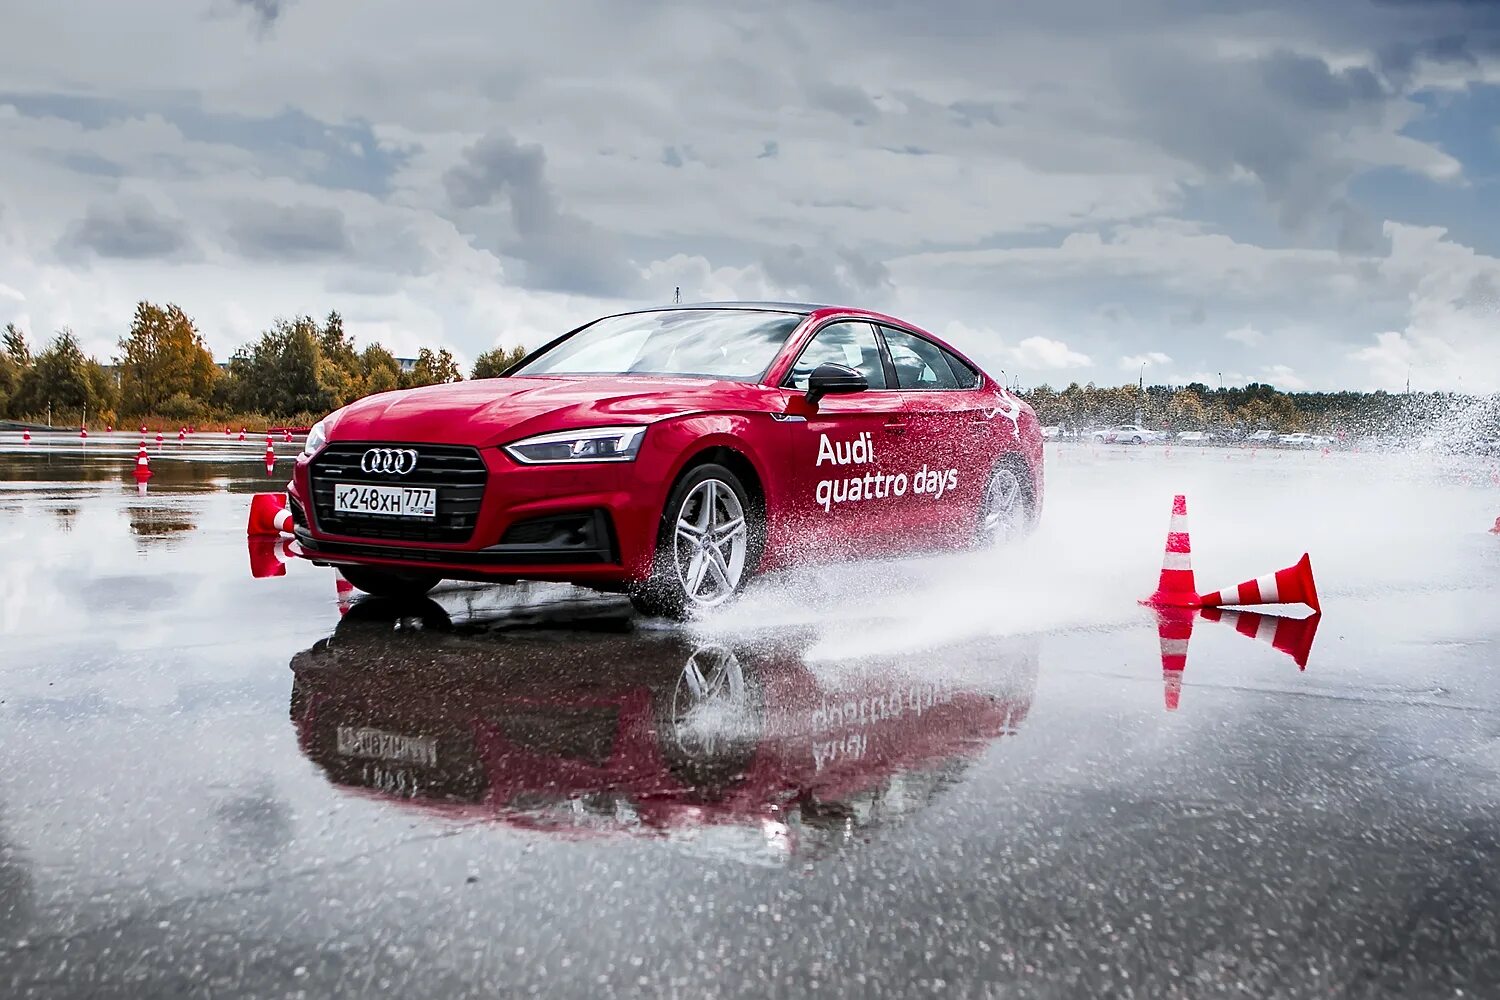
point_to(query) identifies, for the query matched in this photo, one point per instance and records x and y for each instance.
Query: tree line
(298, 370)
(1259, 406)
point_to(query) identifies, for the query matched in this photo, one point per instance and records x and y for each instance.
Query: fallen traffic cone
(1176, 588)
(269, 556)
(1293, 585)
(142, 466)
(1292, 636)
(1174, 628)
(269, 515)
(344, 592)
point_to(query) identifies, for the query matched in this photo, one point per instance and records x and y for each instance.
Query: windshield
(734, 344)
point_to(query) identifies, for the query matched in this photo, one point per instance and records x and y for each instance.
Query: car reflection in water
(589, 725)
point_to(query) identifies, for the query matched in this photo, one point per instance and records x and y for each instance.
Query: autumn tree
(432, 368)
(341, 374)
(163, 358)
(495, 361)
(381, 370)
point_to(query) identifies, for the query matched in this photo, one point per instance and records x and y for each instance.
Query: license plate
(400, 501)
(377, 744)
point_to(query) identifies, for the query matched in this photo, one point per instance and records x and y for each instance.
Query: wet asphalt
(966, 775)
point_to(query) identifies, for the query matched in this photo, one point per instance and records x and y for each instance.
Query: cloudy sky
(1294, 192)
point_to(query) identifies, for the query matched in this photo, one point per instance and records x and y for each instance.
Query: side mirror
(830, 379)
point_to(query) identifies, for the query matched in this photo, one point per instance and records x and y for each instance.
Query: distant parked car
(1261, 437)
(1053, 432)
(1304, 441)
(1129, 434)
(1196, 437)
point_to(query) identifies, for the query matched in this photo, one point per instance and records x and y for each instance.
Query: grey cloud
(128, 229)
(1194, 316)
(841, 275)
(288, 233)
(561, 251)
(769, 151)
(1356, 231)
(671, 157)
(265, 12)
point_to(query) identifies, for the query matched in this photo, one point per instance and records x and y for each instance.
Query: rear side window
(963, 374)
(920, 364)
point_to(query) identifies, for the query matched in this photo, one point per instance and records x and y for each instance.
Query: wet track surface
(961, 775)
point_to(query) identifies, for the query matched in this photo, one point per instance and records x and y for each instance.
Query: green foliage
(66, 380)
(163, 356)
(495, 361)
(432, 369)
(283, 371)
(341, 375)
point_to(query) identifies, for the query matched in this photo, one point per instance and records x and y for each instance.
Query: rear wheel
(1007, 513)
(390, 583)
(703, 546)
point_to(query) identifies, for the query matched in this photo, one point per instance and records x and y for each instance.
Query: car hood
(486, 412)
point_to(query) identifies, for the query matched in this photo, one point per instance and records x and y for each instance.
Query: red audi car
(673, 453)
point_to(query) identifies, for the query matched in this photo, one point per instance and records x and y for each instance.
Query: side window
(849, 342)
(919, 363)
(965, 376)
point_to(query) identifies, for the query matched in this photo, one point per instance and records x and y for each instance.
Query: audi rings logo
(391, 461)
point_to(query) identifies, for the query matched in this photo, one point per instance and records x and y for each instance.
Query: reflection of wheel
(390, 583)
(702, 554)
(710, 723)
(380, 618)
(1007, 505)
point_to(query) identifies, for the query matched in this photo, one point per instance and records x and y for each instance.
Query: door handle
(895, 427)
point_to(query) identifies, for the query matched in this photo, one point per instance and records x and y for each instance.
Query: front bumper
(593, 524)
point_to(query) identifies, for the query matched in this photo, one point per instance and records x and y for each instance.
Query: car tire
(1136, 439)
(1008, 509)
(688, 575)
(390, 583)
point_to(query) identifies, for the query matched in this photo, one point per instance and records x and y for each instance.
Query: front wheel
(390, 583)
(703, 546)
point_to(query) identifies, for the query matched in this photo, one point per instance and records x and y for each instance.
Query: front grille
(457, 473)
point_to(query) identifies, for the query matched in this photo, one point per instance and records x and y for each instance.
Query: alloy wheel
(710, 543)
(1004, 507)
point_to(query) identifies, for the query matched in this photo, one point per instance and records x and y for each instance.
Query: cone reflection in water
(1293, 585)
(1174, 629)
(1176, 588)
(1292, 636)
(269, 556)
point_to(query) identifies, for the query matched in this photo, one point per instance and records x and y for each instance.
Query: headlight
(597, 444)
(316, 438)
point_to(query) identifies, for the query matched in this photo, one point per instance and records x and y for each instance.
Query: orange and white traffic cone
(343, 592)
(269, 556)
(143, 430)
(242, 433)
(158, 438)
(181, 434)
(269, 515)
(288, 437)
(1174, 628)
(1293, 585)
(270, 458)
(1176, 587)
(1292, 636)
(83, 432)
(142, 466)
(26, 437)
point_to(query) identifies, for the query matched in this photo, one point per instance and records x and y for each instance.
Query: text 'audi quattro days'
(672, 454)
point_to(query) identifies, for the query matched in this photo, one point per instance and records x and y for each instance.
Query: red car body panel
(940, 443)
